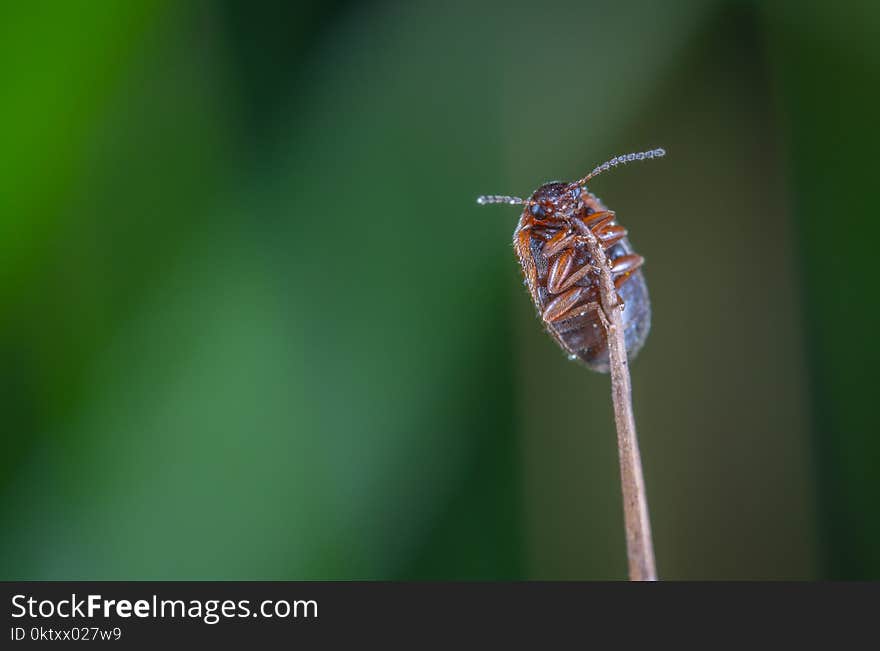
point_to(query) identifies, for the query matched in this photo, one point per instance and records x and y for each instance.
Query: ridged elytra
(550, 241)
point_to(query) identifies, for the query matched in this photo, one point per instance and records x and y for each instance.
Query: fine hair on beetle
(552, 244)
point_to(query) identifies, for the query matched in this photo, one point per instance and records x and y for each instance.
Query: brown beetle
(550, 241)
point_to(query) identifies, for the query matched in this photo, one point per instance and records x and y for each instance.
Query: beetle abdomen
(583, 335)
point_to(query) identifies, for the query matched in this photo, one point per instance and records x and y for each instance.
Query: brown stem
(639, 546)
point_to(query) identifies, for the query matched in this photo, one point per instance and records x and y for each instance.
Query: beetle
(551, 241)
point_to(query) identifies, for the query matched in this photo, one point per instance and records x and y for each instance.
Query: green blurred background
(254, 326)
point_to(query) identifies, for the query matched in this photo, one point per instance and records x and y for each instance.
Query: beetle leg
(562, 306)
(622, 268)
(562, 282)
(584, 308)
(560, 276)
(563, 303)
(605, 216)
(618, 282)
(610, 235)
(560, 271)
(626, 264)
(559, 242)
(602, 224)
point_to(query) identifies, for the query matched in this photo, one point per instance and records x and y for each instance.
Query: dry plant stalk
(639, 545)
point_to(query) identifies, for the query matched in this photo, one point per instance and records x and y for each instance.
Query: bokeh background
(254, 326)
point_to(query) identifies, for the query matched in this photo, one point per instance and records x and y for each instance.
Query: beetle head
(551, 199)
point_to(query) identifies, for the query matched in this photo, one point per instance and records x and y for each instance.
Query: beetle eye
(538, 211)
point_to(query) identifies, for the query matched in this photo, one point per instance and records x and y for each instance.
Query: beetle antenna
(498, 198)
(622, 160)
